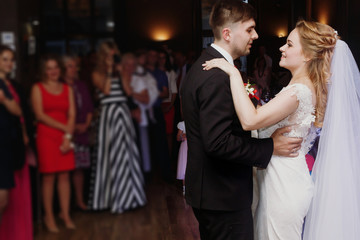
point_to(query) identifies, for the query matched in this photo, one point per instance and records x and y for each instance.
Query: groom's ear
(226, 32)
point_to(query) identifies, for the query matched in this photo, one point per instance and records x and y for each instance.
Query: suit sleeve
(216, 117)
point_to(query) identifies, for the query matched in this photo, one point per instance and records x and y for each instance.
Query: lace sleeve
(302, 119)
(305, 113)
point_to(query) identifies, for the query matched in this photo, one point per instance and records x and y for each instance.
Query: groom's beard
(243, 51)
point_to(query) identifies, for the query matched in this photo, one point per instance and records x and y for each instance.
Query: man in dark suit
(220, 153)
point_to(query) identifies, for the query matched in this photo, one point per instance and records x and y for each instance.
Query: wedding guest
(182, 67)
(158, 129)
(167, 104)
(127, 66)
(141, 56)
(262, 76)
(262, 55)
(84, 113)
(17, 199)
(117, 180)
(19, 210)
(144, 93)
(8, 109)
(54, 108)
(141, 80)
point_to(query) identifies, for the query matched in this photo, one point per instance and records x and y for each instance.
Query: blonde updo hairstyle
(318, 42)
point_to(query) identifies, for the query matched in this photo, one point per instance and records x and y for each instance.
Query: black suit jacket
(220, 153)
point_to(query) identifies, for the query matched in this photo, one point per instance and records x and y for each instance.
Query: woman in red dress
(54, 110)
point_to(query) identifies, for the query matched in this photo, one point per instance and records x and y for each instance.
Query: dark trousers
(160, 150)
(225, 225)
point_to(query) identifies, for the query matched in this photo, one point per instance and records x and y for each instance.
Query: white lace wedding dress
(285, 186)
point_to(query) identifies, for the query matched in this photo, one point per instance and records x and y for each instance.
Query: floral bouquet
(250, 89)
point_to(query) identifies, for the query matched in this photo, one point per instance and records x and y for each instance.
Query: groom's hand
(285, 146)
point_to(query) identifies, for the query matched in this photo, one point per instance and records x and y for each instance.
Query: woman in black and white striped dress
(116, 180)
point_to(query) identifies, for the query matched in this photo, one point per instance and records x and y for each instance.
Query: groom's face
(242, 36)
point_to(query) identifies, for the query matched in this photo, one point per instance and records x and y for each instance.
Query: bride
(287, 191)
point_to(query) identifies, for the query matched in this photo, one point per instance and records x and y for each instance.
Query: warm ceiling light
(161, 34)
(281, 33)
(323, 18)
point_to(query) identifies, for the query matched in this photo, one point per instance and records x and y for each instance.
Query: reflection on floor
(165, 217)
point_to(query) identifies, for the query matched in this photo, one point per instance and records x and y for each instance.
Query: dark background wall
(9, 21)
(353, 21)
(144, 22)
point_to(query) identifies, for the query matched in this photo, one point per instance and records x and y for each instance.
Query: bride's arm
(251, 118)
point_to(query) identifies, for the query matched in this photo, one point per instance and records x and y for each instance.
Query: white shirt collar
(223, 52)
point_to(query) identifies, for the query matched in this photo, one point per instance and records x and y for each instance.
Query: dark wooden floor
(165, 217)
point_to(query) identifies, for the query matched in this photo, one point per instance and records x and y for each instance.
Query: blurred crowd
(96, 129)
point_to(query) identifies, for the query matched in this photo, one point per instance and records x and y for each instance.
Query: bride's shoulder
(305, 92)
(300, 87)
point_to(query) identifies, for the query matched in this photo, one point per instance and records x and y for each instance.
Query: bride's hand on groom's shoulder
(222, 64)
(285, 146)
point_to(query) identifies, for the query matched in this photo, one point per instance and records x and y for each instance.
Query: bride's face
(292, 56)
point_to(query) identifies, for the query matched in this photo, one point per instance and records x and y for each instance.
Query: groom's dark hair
(229, 11)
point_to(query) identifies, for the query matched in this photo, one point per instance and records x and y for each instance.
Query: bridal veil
(335, 210)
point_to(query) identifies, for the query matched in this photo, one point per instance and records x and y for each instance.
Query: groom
(220, 153)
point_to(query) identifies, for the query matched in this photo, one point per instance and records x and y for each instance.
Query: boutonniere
(250, 90)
